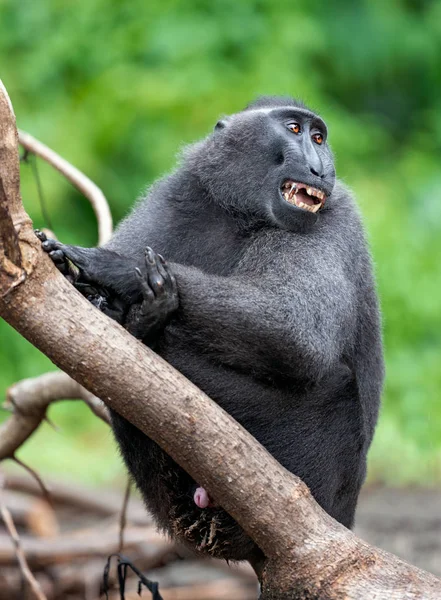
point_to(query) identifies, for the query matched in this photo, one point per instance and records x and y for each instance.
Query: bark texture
(308, 554)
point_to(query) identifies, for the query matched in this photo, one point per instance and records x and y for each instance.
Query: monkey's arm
(142, 298)
(299, 328)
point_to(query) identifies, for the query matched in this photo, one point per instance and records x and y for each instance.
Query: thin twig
(21, 558)
(89, 189)
(123, 515)
(34, 166)
(46, 493)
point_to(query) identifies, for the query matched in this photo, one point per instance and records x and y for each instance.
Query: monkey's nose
(316, 173)
(316, 167)
(314, 162)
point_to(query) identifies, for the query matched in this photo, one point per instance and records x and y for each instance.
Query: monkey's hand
(103, 299)
(55, 251)
(159, 298)
(141, 299)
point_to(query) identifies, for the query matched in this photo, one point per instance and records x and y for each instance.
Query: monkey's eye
(294, 127)
(318, 138)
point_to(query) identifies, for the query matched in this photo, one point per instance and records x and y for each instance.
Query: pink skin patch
(201, 498)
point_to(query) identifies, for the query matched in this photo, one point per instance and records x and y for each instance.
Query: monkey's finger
(173, 282)
(50, 244)
(54, 249)
(165, 273)
(78, 256)
(171, 288)
(57, 256)
(41, 235)
(59, 261)
(155, 279)
(169, 272)
(64, 265)
(147, 292)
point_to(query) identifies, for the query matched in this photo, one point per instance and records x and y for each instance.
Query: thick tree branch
(29, 399)
(308, 554)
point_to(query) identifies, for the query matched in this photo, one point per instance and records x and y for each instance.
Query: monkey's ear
(221, 124)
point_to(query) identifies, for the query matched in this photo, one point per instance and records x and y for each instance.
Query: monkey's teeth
(301, 204)
(314, 208)
(290, 191)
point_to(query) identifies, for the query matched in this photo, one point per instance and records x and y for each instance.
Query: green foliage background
(118, 87)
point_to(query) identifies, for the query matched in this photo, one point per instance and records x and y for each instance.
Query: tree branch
(107, 504)
(36, 477)
(89, 189)
(29, 399)
(86, 544)
(307, 553)
(21, 558)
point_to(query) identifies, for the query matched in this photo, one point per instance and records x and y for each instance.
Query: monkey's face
(272, 163)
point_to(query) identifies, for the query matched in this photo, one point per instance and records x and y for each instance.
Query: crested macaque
(247, 269)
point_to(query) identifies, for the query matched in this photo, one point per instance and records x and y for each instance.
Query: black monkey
(266, 302)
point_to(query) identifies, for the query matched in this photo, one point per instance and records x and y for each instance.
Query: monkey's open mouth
(303, 196)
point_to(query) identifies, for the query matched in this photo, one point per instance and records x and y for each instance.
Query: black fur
(277, 318)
